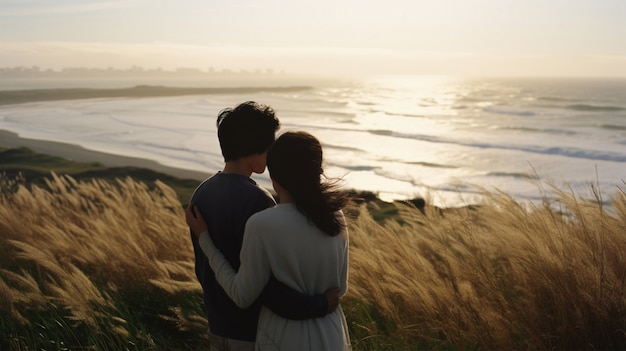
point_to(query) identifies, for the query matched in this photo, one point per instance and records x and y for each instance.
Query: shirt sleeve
(346, 258)
(246, 285)
(292, 304)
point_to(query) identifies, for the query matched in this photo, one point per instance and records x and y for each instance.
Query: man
(226, 201)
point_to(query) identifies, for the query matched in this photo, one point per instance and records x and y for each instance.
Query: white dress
(281, 241)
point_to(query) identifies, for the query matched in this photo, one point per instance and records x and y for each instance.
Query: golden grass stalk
(72, 244)
(502, 275)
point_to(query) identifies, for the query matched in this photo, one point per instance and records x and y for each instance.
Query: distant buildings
(86, 72)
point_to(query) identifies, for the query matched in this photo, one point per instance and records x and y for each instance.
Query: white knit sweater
(281, 241)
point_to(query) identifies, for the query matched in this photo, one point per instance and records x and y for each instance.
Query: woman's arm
(244, 286)
(278, 297)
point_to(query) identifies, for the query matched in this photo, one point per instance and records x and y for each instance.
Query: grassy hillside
(34, 168)
(108, 265)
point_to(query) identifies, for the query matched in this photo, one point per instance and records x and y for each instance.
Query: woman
(303, 242)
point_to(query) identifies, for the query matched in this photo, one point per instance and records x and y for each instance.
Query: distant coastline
(9, 97)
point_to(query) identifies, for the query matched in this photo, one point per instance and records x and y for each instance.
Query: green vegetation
(35, 168)
(90, 263)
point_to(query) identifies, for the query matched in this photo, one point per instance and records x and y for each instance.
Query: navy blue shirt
(226, 201)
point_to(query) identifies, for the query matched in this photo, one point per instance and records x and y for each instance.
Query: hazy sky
(452, 37)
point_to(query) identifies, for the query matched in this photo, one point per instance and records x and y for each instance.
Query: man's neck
(237, 167)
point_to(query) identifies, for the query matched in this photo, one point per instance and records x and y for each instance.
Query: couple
(271, 274)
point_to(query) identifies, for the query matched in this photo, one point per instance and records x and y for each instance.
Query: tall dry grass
(499, 276)
(93, 265)
(98, 259)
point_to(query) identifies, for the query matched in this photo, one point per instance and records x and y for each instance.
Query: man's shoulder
(230, 185)
(230, 179)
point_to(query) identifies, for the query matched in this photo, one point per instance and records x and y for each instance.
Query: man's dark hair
(248, 129)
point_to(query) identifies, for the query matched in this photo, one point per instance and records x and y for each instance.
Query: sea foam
(401, 141)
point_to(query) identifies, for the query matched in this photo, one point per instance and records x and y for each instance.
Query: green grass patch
(34, 168)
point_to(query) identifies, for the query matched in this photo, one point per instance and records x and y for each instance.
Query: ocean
(402, 137)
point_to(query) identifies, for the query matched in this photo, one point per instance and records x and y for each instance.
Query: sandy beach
(80, 154)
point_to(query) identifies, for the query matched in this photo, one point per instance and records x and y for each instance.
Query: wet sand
(79, 154)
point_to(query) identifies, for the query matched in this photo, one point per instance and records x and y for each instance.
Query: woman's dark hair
(246, 130)
(295, 162)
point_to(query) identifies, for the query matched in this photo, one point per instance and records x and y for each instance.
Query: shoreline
(77, 153)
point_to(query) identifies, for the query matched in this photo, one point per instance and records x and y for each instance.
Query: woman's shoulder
(274, 215)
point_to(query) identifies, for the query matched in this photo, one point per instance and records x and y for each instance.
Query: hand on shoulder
(194, 220)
